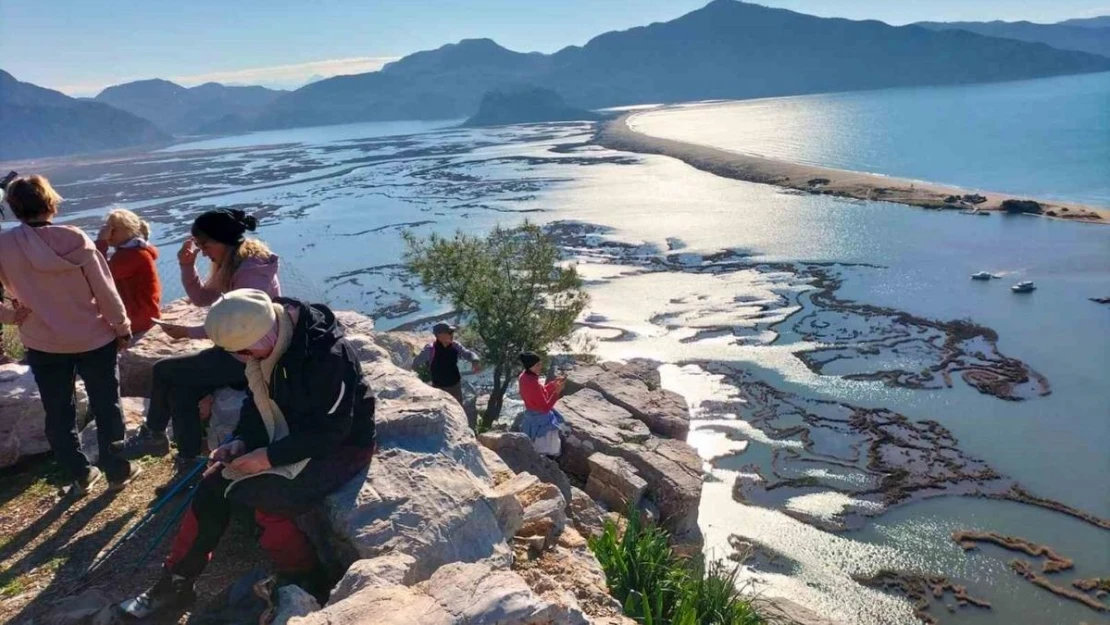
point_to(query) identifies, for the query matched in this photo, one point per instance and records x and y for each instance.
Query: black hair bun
(250, 221)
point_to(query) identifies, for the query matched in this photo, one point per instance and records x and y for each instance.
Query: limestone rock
(516, 450)
(498, 469)
(224, 415)
(664, 412)
(402, 346)
(786, 612)
(566, 575)
(457, 594)
(428, 492)
(395, 569)
(671, 468)
(22, 419)
(293, 602)
(614, 482)
(585, 513)
(91, 607)
(136, 364)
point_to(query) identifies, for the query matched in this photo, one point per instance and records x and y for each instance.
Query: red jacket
(136, 278)
(537, 397)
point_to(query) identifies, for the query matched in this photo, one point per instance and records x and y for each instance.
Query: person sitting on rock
(72, 322)
(540, 420)
(181, 382)
(305, 429)
(133, 267)
(441, 356)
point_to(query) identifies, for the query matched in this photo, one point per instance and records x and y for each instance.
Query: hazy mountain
(1082, 35)
(726, 49)
(435, 84)
(182, 110)
(38, 122)
(523, 105)
(1102, 21)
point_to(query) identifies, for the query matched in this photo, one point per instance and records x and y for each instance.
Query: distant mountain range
(38, 122)
(1086, 35)
(194, 110)
(725, 50)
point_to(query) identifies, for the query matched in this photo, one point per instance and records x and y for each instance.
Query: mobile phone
(12, 175)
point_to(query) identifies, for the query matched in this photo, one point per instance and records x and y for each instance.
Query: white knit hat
(240, 318)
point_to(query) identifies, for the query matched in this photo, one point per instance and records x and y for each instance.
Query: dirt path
(46, 544)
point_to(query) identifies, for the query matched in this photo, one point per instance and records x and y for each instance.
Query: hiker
(540, 420)
(306, 428)
(133, 267)
(181, 382)
(72, 322)
(442, 359)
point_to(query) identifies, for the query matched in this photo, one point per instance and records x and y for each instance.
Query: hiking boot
(133, 471)
(146, 442)
(182, 467)
(169, 593)
(80, 487)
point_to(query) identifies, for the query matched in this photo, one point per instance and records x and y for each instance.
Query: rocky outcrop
(456, 594)
(671, 468)
(136, 364)
(614, 482)
(664, 412)
(22, 420)
(588, 518)
(516, 451)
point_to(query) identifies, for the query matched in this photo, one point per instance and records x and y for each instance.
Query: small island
(525, 105)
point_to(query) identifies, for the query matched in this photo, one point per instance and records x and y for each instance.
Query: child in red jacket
(133, 267)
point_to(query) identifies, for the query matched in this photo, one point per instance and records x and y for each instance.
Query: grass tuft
(657, 587)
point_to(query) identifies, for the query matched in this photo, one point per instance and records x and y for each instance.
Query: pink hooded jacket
(254, 273)
(57, 273)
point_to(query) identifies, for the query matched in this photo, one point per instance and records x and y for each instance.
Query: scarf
(259, 373)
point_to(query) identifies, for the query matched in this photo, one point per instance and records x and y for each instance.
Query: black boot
(146, 442)
(169, 593)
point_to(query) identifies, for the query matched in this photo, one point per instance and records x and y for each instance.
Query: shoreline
(617, 134)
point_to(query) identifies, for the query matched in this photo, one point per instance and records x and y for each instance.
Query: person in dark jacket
(305, 429)
(441, 356)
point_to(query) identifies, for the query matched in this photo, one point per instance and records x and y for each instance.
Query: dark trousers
(55, 375)
(276, 502)
(179, 385)
(454, 390)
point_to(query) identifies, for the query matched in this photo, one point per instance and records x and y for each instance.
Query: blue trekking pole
(158, 505)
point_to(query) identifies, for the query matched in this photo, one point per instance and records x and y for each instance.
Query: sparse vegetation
(10, 345)
(658, 587)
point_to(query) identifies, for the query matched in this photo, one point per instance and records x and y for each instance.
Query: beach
(619, 134)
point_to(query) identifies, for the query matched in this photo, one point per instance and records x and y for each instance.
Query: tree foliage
(510, 288)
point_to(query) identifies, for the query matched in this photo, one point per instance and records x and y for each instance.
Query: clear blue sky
(80, 45)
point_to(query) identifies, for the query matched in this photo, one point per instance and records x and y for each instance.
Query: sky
(82, 46)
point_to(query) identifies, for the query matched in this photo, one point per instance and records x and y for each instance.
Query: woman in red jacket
(540, 420)
(133, 267)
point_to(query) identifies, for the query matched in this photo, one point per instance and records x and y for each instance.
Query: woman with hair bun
(133, 266)
(181, 382)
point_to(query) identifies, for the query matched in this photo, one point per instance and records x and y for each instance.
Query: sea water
(1046, 138)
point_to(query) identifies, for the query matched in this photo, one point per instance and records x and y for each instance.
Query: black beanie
(224, 225)
(529, 359)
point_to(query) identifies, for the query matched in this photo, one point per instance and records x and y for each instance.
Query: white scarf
(259, 374)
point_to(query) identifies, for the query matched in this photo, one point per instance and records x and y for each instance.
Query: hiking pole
(158, 505)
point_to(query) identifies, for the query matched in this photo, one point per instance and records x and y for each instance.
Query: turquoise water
(1047, 138)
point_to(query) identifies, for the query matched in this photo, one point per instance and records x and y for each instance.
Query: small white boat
(982, 275)
(1026, 286)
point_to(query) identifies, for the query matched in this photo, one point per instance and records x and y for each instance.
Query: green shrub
(657, 587)
(10, 345)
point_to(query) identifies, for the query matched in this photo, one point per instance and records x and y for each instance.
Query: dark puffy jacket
(319, 386)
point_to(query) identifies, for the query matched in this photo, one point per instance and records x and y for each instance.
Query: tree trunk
(496, 399)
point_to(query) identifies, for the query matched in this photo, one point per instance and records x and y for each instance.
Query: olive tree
(509, 288)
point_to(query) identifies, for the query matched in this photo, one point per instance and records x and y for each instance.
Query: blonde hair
(128, 222)
(220, 275)
(32, 197)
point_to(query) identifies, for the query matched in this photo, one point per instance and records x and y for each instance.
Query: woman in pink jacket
(180, 383)
(72, 322)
